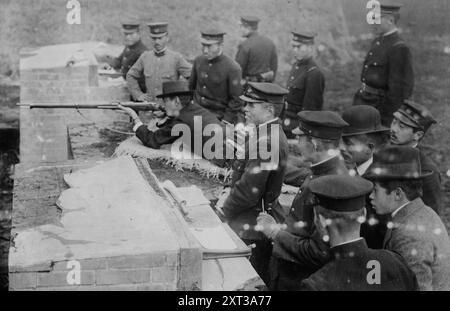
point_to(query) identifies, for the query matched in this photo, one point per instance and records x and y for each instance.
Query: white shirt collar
(265, 123)
(398, 209)
(348, 242)
(363, 167)
(390, 32)
(327, 159)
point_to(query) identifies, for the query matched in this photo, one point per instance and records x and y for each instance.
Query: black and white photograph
(221, 146)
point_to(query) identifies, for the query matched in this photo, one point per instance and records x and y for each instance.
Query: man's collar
(326, 166)
(390, 32)
(217, 58)
(349, 249)
(252, 34)
(305, 61)
(135, 45)
(364, 166)
(160, 53)
(268, 122)
(399, 209)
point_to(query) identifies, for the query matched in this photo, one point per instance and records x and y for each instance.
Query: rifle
(137, 106)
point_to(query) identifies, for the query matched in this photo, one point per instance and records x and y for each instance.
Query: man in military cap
(181, 109)
(157, 66)
(361, 139)
(415, 231)
(257, 55)
(257, 182)
(216, 79)
(306, 81)
(387, 76)
(339, 215)
(133, 50)
(410, 124)
(299, 250)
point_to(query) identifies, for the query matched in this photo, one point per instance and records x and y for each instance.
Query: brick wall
(145, 272)
(61, 74)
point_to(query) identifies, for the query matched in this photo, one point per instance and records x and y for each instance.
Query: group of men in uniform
(368, 195)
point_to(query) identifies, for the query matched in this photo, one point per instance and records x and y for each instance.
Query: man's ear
(399, 194)
(418, 135)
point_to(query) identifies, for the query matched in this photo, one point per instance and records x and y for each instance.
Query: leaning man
(181, 109)
(257, 183)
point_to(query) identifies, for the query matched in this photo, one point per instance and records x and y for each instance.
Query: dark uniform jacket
(256, 55)
(217, 86)
(431, 185)
(127, 59)
(351, 269)
(388, 68)
(299, 251)
(163, 135)
(254, 184)
(306, 85)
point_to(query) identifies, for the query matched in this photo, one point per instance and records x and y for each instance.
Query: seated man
(257, 181)
(415, 231)
(354, 266)
(181, 110)
(299, 251)
(411, 123)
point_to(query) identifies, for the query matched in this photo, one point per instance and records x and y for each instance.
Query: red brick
(111, 277)
(22, 280)
(164, 275)
(86, 264)
(141, 261)
(53, 279)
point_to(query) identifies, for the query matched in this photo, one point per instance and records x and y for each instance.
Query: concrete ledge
(116, 227)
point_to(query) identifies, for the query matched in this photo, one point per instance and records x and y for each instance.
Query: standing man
(156, 66)
(387, 76)
(299, 250)
(411, 123)
(256, 185)
(341, 206)
(257, 55)
(306, 82)
(133, 50)
(216, 79)
(415, 231)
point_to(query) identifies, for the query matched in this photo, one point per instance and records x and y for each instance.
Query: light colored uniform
(157, 68)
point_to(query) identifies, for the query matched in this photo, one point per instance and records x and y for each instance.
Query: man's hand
(130, 112)
(144, 98)
(267, 225)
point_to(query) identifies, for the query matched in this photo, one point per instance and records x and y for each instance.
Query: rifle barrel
(133, 105)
